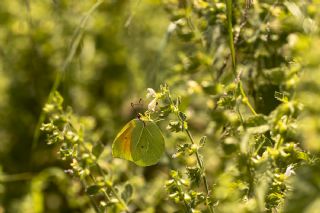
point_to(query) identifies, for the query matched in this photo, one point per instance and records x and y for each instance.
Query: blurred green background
(127, 46)
(114, 63)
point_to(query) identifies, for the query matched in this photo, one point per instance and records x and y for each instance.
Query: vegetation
(231, 86)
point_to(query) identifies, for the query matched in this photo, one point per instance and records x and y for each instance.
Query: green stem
(205, 181)
(189, 209)
(103, 190)
(245, 98)
(235, 38)
(74, 46)
(278, 143)
(197, 154)
(111, 187)
(200, 164)
(15, 177)
(92, 201)
(101, 172)
(260, 146)
(233, 55)
(230, 34)
(119, 198)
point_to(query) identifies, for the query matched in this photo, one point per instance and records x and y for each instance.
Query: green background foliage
(238, 105)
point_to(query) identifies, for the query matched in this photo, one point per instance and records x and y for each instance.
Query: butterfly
(139, 141)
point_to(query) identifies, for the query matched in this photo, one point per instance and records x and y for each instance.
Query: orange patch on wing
(125, 139)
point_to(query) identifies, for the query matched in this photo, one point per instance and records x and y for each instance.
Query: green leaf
(256, 120)
(230, 145)
(182, 116)
(175, 126)
(281, 96)
(194, 174)
(203, 141)
(127, 192)
(257, 124)
(276, 75)
(92, 190)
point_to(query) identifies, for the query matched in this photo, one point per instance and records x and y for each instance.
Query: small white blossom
(152, 105)
(151, 93)
(172, 26)
(289, 171)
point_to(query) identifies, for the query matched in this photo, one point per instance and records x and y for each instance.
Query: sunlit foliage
(232, 85)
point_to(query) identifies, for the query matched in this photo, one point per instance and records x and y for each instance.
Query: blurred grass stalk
(75, 42)
(15, 177)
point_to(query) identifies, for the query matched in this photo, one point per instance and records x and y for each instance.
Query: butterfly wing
(121, 146)
(147, 143)
(140, 142)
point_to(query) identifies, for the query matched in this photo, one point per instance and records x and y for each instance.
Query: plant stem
(15, 177)
(205, 181)
(111, 187)
(73, 47)
(230, 34)
(278, 143)
(233, 54)
(92, 201)
(235, 38)
(245, 98)
(101, 172)
(200, 163)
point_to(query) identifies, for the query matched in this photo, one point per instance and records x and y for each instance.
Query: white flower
(153, 103)
(289, 171)
(172, 26)
(151, 93)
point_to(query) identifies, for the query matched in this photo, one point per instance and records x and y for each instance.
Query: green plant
(237, 105)
(70, 133)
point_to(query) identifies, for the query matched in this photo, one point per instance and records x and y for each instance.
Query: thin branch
(15, 177)
(199, 162)
(73, 47)
(235, 38)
